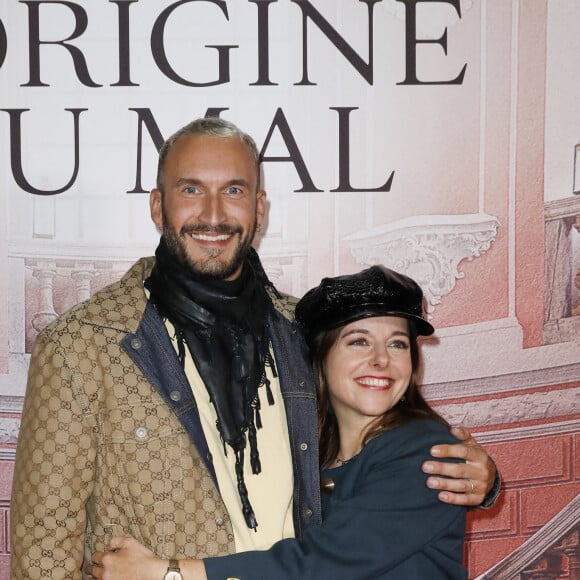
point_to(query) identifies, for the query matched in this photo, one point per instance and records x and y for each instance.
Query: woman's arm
(386, 521)
(385, 517)
(127, 559)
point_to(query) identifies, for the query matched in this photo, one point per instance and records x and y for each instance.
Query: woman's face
(368, 369)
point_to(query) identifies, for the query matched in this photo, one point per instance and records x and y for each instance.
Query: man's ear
(156, 209)
(260, 206)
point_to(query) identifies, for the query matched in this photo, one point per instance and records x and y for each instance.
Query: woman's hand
(126, 559)
(462, 483)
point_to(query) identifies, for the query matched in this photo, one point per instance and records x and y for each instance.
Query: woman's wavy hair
(412, 407)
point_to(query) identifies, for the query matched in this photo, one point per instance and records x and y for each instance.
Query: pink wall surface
(480, 211)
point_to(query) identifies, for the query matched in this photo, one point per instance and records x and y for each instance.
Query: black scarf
(224, 326)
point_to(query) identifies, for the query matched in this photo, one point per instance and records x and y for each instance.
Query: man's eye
(233, 190)
(191, 189)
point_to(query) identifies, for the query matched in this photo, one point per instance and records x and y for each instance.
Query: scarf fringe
(254, 455)
(257, 416)
(269, 362)
(247, 509)
(180, 347)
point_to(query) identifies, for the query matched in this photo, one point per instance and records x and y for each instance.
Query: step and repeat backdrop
(437, 137)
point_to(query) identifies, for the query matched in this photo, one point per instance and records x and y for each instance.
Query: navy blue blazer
(381, 521)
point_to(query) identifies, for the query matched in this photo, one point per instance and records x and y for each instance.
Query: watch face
(173, 576)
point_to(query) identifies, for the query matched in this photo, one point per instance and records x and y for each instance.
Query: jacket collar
(121, 305)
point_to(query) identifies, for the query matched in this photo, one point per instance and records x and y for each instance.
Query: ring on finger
(472, 485)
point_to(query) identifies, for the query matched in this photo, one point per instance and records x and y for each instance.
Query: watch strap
(173, 565)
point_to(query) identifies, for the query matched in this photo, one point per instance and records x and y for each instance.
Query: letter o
(3, 43)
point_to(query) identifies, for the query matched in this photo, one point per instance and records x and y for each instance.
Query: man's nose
(212, 211)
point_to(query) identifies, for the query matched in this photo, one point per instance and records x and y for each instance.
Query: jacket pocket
(144, 458)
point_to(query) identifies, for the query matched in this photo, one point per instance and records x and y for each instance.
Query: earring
(403, 399)
(259, 228)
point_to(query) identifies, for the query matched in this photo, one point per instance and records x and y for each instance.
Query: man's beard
(210, 266)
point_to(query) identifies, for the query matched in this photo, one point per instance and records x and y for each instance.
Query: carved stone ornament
(427, 248)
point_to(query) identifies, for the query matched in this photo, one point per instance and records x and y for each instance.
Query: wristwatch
(173, 571)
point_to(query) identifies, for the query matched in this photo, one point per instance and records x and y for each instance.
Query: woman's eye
(358, 342)
(399, 344)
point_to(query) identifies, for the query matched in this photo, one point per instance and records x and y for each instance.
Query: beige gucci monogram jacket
(111, 444)
(101, 453)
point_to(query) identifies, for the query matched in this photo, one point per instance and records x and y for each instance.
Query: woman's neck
(351, 437)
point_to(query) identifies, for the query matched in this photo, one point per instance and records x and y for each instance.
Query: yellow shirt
(270, 492)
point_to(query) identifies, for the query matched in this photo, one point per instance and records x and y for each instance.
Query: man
(177, 406)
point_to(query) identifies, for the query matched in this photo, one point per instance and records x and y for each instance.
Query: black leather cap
(376, 291)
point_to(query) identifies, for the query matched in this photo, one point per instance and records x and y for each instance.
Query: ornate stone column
(45, 273)
(82, 275)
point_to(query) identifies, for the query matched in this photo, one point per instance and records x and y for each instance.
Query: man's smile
(211, 237)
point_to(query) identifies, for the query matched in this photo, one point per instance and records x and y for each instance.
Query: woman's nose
(380, 357)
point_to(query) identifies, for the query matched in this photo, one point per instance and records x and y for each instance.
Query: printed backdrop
(437, 137)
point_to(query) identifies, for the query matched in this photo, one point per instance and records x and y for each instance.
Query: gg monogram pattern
(100, 453)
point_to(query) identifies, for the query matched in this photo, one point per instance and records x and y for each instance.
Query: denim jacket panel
(299, 393)
(151, 349)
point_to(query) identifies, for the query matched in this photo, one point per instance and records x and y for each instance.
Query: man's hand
(462, 483)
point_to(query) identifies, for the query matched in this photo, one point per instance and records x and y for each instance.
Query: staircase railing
(552, 553)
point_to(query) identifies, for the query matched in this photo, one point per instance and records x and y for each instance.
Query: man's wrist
(491, 497)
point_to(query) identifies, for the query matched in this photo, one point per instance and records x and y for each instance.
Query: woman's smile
(375, 383)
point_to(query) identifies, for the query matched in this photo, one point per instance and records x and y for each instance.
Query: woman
(380, 520)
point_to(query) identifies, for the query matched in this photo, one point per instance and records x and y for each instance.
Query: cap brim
(359, 312)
